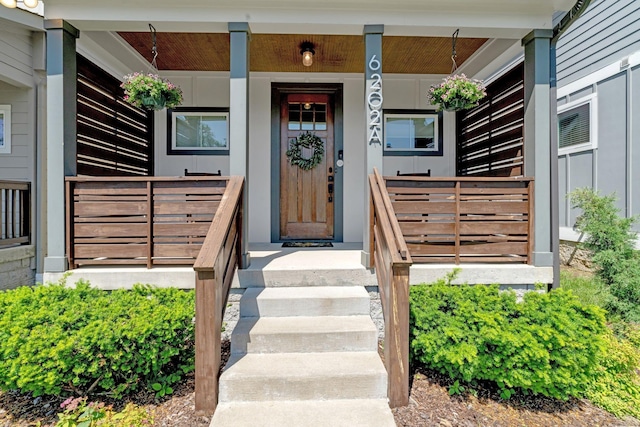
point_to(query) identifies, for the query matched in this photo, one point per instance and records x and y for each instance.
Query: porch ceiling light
(30, 3)
(8, 3)
(306, 50)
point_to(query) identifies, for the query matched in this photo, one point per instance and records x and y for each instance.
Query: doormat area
(307, 245)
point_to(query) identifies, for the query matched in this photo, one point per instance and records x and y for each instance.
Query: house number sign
(374, 101)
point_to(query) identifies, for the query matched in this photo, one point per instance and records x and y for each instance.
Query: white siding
(18, 165)
(16, 54)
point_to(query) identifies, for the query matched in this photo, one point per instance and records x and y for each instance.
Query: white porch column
(373, 120)
(61, 135)
(240, 34)
(537, 135)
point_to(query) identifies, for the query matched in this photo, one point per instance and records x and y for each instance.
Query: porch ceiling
(281, 52)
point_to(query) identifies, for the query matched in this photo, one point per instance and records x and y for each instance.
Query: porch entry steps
(304, 356)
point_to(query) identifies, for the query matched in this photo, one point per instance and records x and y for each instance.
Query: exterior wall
(599, 56)
(212, 90)
(19, 164)
(607, 32)
(16, 267)
(16, 54)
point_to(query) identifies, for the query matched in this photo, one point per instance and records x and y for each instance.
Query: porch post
(240, 34)
(537, 138)
(373, 121)
(61, 134)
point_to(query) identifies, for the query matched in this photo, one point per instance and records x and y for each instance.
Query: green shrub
(547, 344)
(615, 386)
(612, 241)
(60, 340)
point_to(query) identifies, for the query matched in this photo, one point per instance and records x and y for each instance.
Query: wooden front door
(306, 196)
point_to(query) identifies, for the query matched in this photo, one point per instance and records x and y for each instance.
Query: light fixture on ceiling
(8, 3)
(30, 3)
(307, 105)
(307, 52)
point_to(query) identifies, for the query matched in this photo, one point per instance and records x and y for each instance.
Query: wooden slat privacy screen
(113, 137)
(458, 220)
(490, 139)
(137, 220)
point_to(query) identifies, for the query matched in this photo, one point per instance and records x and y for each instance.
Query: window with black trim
(196, 130)
(576, 126)
(413, 133)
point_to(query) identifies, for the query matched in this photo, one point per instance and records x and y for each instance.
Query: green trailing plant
(547, 344)
(611, 239)
(58, 340)
(150, 91)
(457, 92)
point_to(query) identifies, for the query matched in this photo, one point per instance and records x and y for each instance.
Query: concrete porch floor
(272, 266)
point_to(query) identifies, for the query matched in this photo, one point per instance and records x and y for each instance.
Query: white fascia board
(598, 76)
(474, 21)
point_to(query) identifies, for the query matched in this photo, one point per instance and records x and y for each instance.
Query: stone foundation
(573, 255)
(15, 267)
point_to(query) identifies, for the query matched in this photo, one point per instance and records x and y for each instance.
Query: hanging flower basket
(150, 92)
(307, 141)
(456, 93)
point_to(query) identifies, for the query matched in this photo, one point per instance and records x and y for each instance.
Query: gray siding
(16, 54)
(616, 160)
(18, 165)
(607, 32)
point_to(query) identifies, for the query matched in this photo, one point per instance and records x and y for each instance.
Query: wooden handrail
(215, 266)
(392, 262)
(15, 206)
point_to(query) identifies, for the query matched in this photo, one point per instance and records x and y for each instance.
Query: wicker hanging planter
(150, 92)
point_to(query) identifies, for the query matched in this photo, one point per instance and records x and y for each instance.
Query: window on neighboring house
(576, 126)
(412, 133)
(5, 129)
(198, 131)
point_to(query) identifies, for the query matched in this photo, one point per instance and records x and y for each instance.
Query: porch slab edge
(482, 274)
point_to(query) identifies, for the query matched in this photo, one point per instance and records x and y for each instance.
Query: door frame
(277, 91)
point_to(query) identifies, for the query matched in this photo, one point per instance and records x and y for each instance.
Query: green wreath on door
(310, 141)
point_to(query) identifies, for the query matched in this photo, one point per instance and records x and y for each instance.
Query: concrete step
(303, 376)
(333, 413)
(305, 301)
(304, 334)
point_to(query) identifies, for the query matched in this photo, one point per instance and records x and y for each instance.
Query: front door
(306, 196)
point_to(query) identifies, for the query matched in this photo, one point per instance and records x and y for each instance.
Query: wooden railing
(215, 266)
(391, 259)
(464, 219)
(15, 208)
(139, 220)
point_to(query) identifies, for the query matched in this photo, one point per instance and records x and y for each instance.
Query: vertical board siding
(113, 137)
(608, 31)
(490, 140)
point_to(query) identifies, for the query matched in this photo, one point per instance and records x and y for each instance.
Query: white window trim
(5, 148)
(174, 128)
(436, 130)
(592, 100)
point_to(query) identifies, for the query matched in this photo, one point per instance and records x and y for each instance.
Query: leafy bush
(78, 413)
(615, 385)
(612, 241)
(548, 344)
(60, 340)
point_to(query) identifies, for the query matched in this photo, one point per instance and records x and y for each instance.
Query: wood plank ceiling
(281, 52)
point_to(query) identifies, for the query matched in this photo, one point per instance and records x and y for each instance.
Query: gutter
(565, 22)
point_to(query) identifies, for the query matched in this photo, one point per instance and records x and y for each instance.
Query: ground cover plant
(547, 344)
(58, 340)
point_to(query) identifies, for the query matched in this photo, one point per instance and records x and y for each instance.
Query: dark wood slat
(161, 208)
(183, 251)
(110, 230)
(111, 251)
(110, 209)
